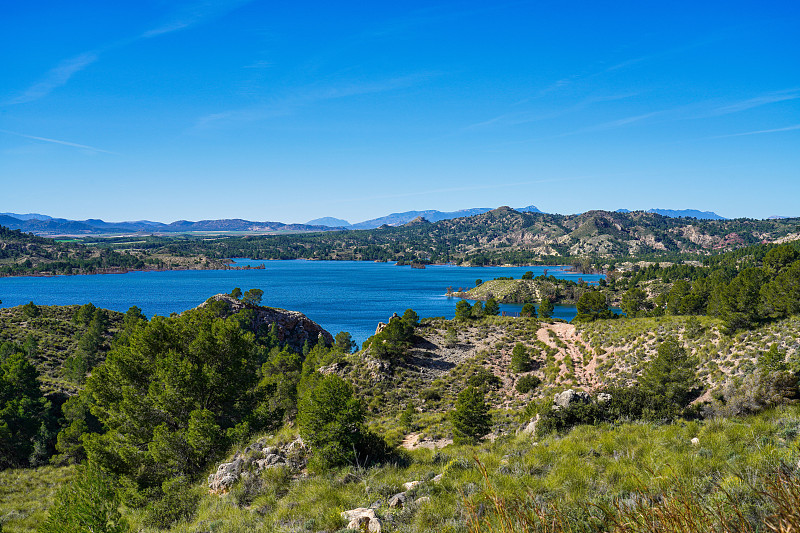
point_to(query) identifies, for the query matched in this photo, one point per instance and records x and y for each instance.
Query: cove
(348, 296)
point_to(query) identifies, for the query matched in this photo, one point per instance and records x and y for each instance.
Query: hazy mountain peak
(687, 213)
(27, 216)
(328, 221)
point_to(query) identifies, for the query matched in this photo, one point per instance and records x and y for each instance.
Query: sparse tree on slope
(470, 418)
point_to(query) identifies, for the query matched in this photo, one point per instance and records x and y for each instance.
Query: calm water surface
(340, 295)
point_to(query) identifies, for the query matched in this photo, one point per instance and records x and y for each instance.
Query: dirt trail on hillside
(412, 441)
(585, 374)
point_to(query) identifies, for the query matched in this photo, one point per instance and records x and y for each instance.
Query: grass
(26, 494)
(53, 337)
(570, 480)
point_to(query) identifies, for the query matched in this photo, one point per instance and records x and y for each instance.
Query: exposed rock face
(411, 484)
(603, 397)
(227, 474)
(254, 459)
(569, 396)
(530, 428)
(362, 519)
(398, 500)
(294, 328)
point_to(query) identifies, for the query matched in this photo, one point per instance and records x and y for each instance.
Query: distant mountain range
(681, 213)
(45, 225)
(27, 216)
(398, 219)
(61, 226)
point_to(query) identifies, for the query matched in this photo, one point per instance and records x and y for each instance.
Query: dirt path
(412, 441)
(585, 374)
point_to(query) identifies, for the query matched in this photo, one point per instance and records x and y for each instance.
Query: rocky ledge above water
(294, 328)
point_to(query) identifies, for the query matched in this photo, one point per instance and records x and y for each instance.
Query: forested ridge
(25, 254)
(502, 236)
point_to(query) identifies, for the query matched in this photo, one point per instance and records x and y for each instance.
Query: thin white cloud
(55, 78)
(612, 124)
(525, 117)
(57, 141)
(192, 14)
(758, 101)
(288, 105)
(758, 132)
(60, 75)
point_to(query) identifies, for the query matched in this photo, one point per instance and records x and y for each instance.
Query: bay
(348, 296)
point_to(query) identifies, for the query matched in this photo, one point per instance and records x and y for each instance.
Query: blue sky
(288, 111)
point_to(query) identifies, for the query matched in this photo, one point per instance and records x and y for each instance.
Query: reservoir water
(348, 296)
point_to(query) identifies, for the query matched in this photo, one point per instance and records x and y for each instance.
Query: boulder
(226, 475)
(530, 428)
(564, 399)
(255, 458)
(362, 519)
(411, 484)
(398, 500)
(603, 397)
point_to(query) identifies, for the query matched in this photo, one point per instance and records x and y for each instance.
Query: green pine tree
(470, 418)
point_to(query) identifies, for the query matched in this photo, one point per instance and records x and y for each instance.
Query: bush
(430, 395)
(482, 378)
(179, 502)
(470, 417)
(451, 337)
(527, 383)
(331, 421)
(88, 503)
(520, 359)
(671, 375)
(31, 310)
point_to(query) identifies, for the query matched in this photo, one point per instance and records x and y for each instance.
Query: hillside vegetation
(233, 417)
(501, 236)
(23, 254)
(504, 236)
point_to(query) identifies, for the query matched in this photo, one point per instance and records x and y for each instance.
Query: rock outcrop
(293, 328)
(564, 399)
(362, 519)
(253, 460)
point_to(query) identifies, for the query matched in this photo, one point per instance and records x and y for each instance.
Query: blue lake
(348, 296)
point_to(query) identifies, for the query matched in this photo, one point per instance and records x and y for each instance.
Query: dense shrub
(331, 421)
(395, 338)
(88, 503)
(520, 359)
(24, 413)
(174, 397)
(527, 383)
(470, 418)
